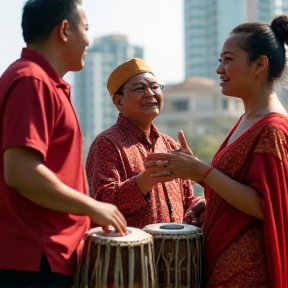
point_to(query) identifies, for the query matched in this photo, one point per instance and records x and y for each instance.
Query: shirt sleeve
(188, 194)
(27, 109)
(107, 177)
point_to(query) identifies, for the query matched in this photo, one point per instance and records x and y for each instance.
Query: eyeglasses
(142, 88)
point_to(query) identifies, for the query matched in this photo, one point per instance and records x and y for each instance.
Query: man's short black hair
(41, 16)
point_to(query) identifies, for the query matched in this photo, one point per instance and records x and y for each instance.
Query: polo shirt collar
(37, 58)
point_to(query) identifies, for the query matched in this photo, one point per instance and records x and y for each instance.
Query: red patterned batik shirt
(116, 156)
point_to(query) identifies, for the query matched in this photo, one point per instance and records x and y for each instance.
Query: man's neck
(45, 50)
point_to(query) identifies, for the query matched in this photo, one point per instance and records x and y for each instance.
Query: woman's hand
(177, 164)
(184, 145)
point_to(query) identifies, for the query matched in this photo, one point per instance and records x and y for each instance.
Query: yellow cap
(124, 72)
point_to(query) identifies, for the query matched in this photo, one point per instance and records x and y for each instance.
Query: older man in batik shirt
(116, 162)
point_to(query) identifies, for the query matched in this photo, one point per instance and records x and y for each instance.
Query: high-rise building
(93, 105)
(207, 24)
(267, 9)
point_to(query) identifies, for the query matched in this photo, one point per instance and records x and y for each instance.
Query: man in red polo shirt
(45, 207)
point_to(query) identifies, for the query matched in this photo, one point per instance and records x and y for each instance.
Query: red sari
(239, 249)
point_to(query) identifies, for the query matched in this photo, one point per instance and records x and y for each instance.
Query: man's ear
(63, 30)
(262, 63)
(117, 100)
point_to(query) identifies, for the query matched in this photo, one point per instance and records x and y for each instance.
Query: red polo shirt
(36, 112)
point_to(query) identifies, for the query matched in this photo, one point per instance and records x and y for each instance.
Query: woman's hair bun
(279, 25)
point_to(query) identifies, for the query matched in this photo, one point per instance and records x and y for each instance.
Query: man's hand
(195, 214)
(105, 214)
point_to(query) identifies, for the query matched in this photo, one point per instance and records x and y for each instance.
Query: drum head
(171, 228)
(133, 234)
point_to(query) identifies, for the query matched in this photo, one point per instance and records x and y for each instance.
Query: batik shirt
(116, 156)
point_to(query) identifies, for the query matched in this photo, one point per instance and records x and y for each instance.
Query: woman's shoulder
(275, 121)
(272, 135)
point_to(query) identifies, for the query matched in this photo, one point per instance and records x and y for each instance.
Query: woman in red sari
(246, 187)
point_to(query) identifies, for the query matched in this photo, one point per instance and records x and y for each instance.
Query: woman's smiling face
(237, 74)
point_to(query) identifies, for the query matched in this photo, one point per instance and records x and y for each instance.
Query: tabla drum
(178, 250)
(111, 260)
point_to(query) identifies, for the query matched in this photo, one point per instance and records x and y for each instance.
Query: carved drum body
(178, 250)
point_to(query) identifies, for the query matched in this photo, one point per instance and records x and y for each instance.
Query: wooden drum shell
(117, 261)
(178, 255)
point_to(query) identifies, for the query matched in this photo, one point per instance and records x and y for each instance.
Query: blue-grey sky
(156, 25)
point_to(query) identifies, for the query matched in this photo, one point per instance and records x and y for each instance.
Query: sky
(155, 25)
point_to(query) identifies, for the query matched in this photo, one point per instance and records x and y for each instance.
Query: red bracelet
(205, 175)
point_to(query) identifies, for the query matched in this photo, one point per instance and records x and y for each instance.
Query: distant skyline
(156, 25)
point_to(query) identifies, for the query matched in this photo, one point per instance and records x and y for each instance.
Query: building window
(204, 103)
(180, 105)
